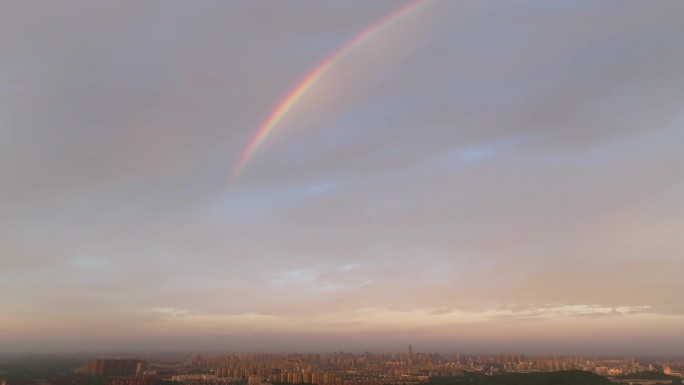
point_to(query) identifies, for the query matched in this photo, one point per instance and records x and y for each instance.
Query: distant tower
(410, 356)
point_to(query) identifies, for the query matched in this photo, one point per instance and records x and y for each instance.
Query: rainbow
(289, 101)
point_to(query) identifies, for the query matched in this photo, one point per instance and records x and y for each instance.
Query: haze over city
(354, 175)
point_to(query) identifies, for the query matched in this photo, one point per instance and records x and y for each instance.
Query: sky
(475, 177)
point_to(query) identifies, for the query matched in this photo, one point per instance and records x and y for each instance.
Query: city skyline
(367, 368)
(467, 176)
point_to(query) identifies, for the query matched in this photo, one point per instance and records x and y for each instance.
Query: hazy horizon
(458, 175)
(222, 345)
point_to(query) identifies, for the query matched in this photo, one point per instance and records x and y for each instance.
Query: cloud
(170, 312)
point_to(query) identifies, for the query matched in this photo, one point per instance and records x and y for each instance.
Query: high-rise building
(410, 356)
(112, 367)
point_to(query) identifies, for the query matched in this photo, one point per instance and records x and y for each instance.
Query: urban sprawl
(403, 368)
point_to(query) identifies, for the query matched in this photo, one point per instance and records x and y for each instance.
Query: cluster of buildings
(113, 367)
(512, 363)
(405, 368)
